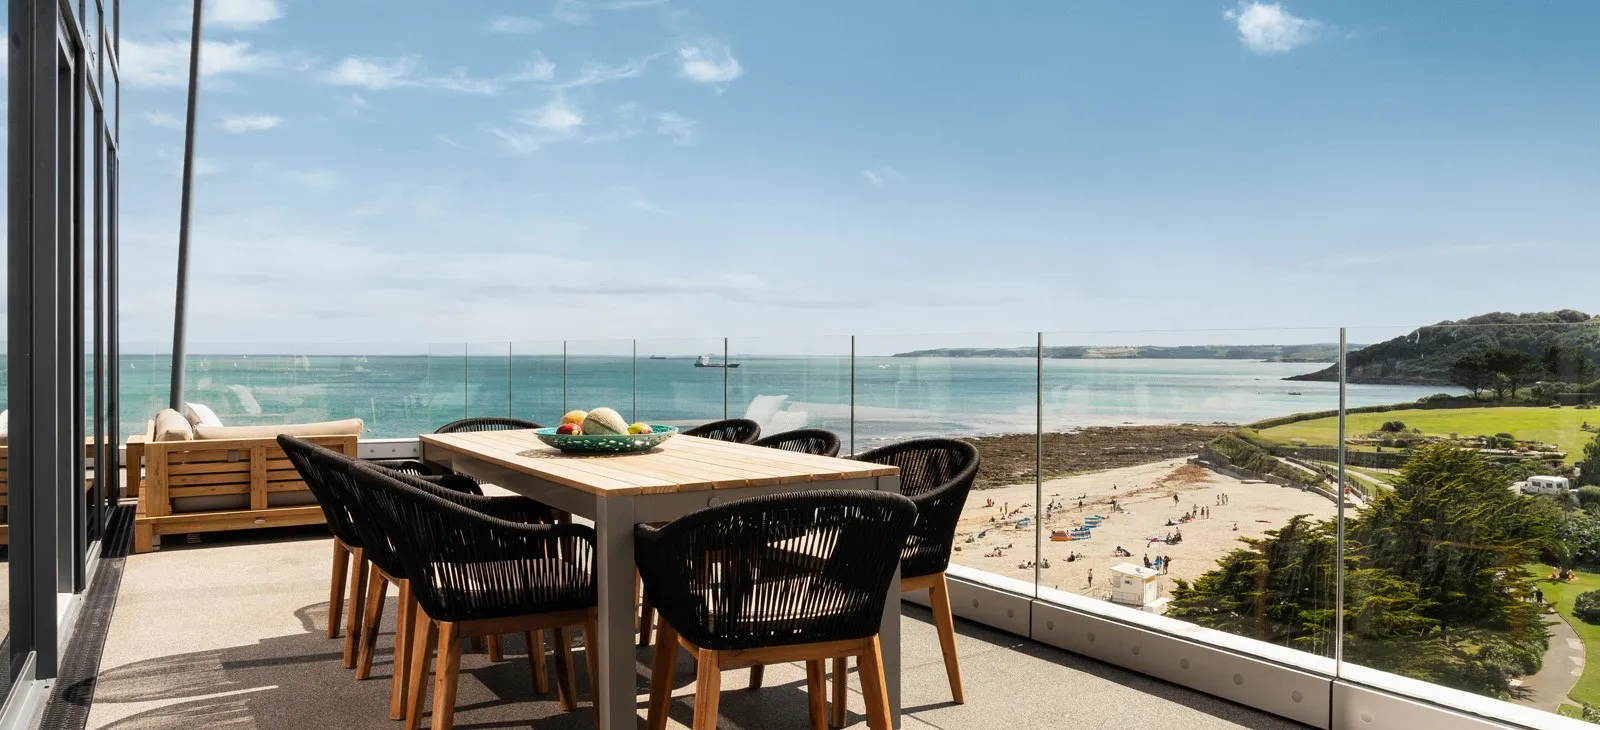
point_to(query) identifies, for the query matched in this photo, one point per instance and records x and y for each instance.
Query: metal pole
(852, 395)
(180, 308)
(1338, 573)
(1038, 461)
(725, 377)
(635, 380)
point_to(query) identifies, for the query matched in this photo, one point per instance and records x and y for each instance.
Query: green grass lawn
(1562, 595)
(1551, 425)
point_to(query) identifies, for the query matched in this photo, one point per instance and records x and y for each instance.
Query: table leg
(618, 673)
(889, 630)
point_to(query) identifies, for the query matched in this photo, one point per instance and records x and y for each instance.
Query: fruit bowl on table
(605, 443)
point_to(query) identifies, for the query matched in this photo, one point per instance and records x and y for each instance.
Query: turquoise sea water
(894, 397)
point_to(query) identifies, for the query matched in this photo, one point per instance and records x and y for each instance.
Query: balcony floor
(234, 633)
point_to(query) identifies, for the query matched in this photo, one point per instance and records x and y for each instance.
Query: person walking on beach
(1174, 499)
(1147, 560)
(1091, 577)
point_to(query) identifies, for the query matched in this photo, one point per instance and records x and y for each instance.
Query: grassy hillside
(1552, 425)
(1424, 357)
(1271, 353)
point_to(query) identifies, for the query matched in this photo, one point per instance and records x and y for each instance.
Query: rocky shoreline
(1009, 459)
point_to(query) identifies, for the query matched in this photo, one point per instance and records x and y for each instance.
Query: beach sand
(1145, 493)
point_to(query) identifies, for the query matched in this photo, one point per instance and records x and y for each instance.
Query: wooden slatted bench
(5, 484)
(216, 484)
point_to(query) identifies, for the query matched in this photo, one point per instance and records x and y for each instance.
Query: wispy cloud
(166, 63)
(377, 74)
(595, 73)
(250, 123)
(515, 24)
(708, 62)
(554, 116)
(1267, 28)
(539, 69)
(675, 126)
(449, 141)
(575, 12)
(242, 14)
(163, 119)
(882, 175)
(646, 206)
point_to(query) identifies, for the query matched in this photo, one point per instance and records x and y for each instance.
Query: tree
(1511, 369)
(1472, 373)
(1567, 365)
(1589, 474)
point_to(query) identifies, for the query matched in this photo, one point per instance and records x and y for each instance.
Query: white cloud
(708, 62)
(242, 14)
(163, 119)
(553, 116)
(520, 142)
(539, 69)
(594, 73)
(1267, 28)
(574, 12)
(250, 123)
(675, 126)
(377, 74)
(166, 63)
(515, 24)
(882, 175)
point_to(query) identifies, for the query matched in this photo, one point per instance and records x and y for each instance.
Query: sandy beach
(1145, 494)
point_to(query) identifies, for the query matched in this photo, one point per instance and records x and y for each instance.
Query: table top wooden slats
(681, 464)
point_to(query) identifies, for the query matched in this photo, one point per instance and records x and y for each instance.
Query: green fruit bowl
(606, 443)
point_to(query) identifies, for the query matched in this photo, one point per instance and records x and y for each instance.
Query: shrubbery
(1393, 427)
(1587, 607)
(1589, 496)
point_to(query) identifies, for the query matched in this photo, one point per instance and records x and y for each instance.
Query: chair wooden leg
(647, 616)
(377, 593)
(757, 673)
(341, 566)
(446, 679)
(358, 603)
(707, 691)
(591, 661)
(496, 654)
(841, 707)
(661, 671)
(939, 600)
(536, 660)
(873, 688)
(817, 693)
(424, 633)
(565, 692)
(476, 642)
(404, 623)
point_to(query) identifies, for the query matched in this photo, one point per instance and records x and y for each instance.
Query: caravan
(1558, 486)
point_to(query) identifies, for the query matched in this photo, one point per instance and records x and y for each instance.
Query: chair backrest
(486, 423)
(937, 475)
(804, 440)
(737, 430)
(464, 491)
(789, 569)
(465, 565)
(333, 470)
(340, 521)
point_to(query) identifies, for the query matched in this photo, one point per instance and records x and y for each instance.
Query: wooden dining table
(616, 492)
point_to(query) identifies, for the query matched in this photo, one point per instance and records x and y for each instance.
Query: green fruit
(604, 420)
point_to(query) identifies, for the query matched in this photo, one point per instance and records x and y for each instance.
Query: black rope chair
(737, 430)
(804, 440)
(794, 577)
(473, 574)
(937, 475)
(346, 546)
(464, 425)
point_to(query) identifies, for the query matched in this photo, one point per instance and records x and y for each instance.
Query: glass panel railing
(1474, 564)
(600, 373)
(488, 379)
(446, 393)
(983, 387)
(1159, 494)
(785, 383)
(682, 382)
(536, 387)
(145, 382)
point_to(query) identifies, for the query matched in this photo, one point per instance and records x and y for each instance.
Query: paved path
(1563, 664)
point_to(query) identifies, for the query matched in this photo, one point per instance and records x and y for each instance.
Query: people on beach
(1166, 563)
(1091, 577)
(1147, 560)
(1174, 499)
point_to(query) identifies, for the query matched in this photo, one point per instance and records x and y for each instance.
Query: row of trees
(1434, 584)
(1504, 370)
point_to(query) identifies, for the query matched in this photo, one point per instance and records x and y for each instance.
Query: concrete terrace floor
(234, 633)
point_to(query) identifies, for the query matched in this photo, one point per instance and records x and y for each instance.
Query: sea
(868, 402)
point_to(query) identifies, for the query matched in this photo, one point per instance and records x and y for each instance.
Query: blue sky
(407, 171)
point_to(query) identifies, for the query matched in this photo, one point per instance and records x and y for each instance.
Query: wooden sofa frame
(5, 482)
(256, 467)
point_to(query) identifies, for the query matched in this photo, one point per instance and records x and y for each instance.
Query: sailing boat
(704, 361)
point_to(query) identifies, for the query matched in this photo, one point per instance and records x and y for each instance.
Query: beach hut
(1137, 586)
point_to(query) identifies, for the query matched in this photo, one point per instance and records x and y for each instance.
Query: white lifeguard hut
(1137, 586)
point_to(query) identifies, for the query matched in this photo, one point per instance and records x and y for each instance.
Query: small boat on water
(704, 361)
(658, 357)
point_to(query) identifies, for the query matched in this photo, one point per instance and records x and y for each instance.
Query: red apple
(569, 429)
